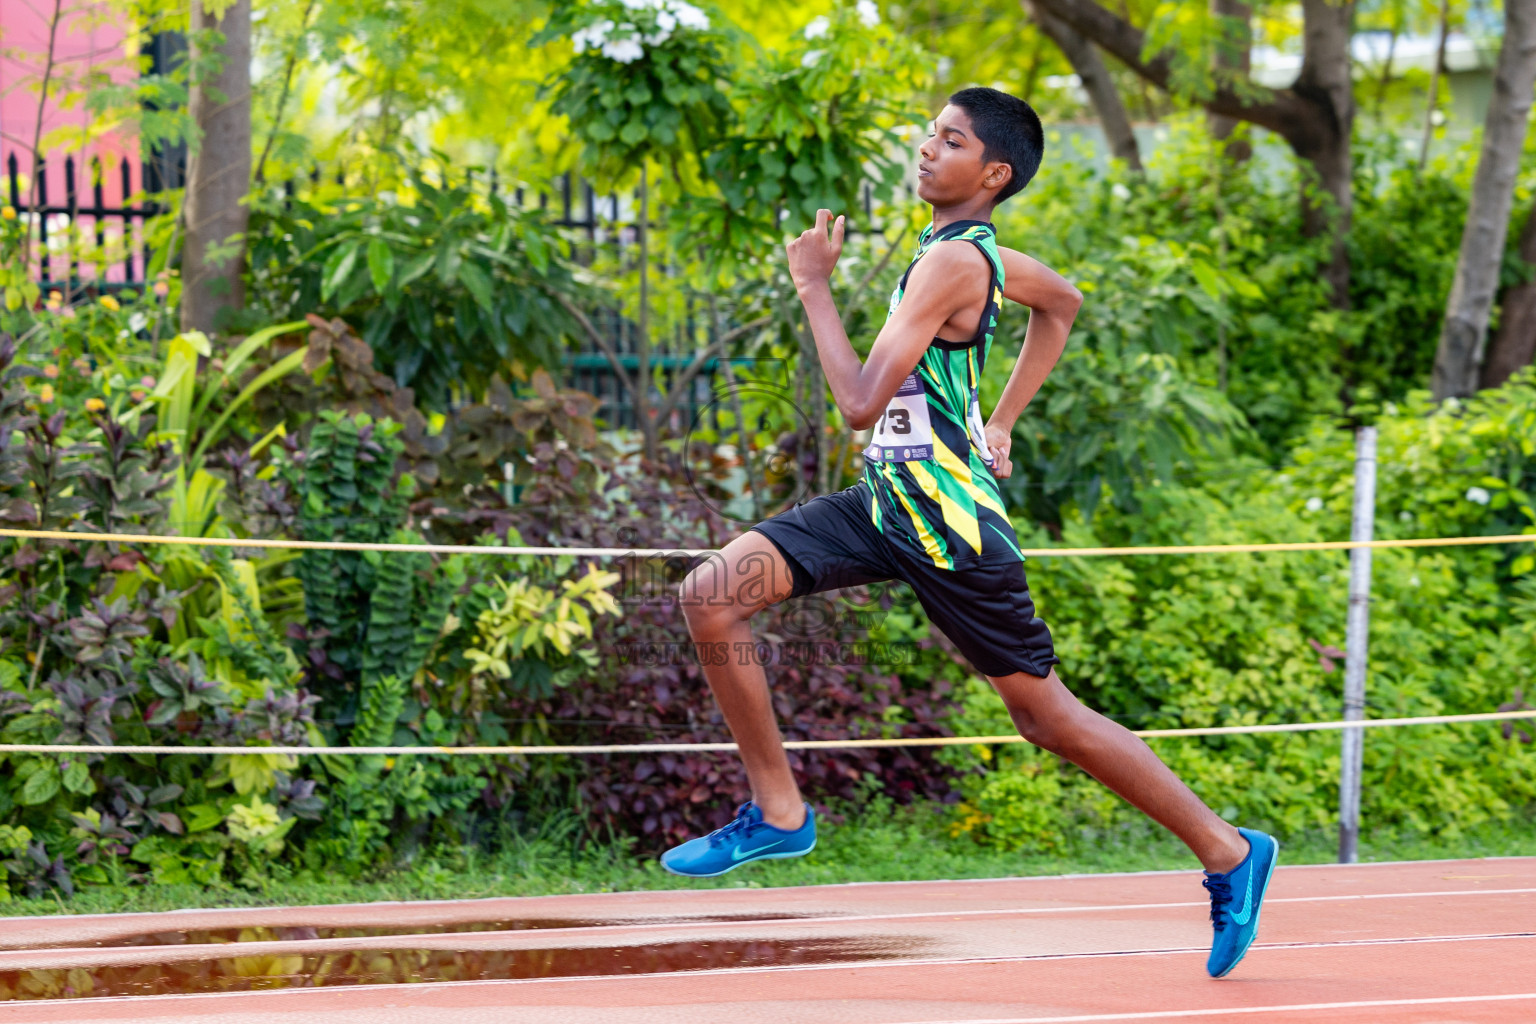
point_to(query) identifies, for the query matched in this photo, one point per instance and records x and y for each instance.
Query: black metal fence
(59, 264)
(597, 224)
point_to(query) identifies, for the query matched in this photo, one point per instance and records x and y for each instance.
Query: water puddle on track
(304, 933)
(416, 966)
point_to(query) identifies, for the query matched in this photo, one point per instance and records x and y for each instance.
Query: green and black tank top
(927, 464)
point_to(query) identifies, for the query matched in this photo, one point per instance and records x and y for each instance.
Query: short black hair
(1009, 130)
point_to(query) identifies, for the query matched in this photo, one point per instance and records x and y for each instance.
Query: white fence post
(1357, 644)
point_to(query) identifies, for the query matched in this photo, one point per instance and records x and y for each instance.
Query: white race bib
(903, 433)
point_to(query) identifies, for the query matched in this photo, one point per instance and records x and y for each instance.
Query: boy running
(929, 511)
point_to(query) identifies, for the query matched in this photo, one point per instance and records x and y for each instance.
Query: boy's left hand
(999, 442)
(812, 256)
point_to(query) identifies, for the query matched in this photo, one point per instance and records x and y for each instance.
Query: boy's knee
(1055, 733)
(1033, 730)
(695, 595)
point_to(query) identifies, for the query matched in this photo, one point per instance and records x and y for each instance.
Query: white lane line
(128, 956)
(1364, 1004)
(288, 993)
(220, 953)
(646, 895)
(939, 962)
(1171, 950)
(640, 925)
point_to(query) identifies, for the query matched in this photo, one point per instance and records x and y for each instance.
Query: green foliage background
(1207, 396)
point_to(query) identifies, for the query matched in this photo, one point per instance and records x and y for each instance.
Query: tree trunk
(1326, 78)
(214, 256)
(648, 426)
(1233, 64)
(1482, 240)
(1032, 71)
(1514, 343)
(1085, 60)
(1314, 115)
(1434, 82)
(1386, 71)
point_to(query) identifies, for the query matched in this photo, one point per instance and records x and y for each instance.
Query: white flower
(1413, 581)
(811, 57)
(593, 36)
(817, 27)
(869, 12)
(1478, 496)
(625, 51)
(690, 16)
(1405, 516)
(666, 21)
(1120, 192)
(1314, 504)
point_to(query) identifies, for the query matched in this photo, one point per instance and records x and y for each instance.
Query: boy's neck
(975, 209)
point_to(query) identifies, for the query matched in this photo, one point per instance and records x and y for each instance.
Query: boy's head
(983, 140)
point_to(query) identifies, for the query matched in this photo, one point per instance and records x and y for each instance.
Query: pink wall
(86, 42)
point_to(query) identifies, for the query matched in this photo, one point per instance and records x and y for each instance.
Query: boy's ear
(998, 175)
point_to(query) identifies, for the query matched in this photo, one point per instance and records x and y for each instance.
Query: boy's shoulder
(949, 262)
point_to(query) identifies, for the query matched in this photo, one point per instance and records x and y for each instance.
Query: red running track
(1435, 941)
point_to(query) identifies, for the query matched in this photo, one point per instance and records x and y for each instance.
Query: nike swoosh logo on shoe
(1247, 912)
(741, 855)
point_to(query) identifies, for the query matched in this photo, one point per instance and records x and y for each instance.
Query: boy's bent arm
(1053, 304)
(863, 389)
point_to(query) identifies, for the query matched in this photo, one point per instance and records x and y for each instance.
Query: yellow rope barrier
(641, 748)
(502, 549)
(679, 748)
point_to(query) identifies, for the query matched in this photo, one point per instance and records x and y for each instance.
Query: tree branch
(597, 339)
(282, 100)
(683, 379)
(857, 298)
(1280, 110)
(1085, 60)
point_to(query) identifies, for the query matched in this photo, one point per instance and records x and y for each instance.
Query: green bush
(450, 287)
(1182, 641)
(1204, 261)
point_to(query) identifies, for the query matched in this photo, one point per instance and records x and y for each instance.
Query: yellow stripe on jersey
(960, 469)
(930, 542)
(956, 516)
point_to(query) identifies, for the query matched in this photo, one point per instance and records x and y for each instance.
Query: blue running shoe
(1236, 918)
(747, 838)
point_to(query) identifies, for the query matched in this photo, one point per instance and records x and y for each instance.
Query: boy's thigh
(745, 576)
(989, 615)
(830, 542)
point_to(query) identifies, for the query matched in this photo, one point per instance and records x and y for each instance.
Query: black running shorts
(986, 611)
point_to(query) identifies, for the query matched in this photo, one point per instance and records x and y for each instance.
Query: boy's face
(950, 167)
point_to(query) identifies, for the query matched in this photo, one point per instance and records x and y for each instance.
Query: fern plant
(378, 710)
(345, 489)
(379, 613)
